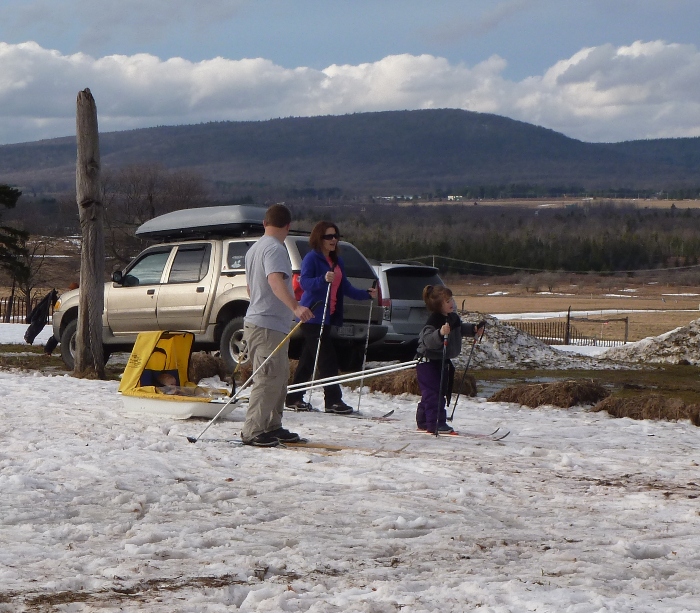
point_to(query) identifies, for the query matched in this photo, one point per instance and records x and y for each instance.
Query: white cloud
(604, 93)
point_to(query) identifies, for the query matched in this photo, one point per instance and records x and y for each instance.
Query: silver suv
(197, 283)
(403, 308)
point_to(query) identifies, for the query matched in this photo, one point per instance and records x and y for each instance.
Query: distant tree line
(596, 238)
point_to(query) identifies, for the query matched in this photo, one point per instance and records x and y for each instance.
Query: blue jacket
(314, 267)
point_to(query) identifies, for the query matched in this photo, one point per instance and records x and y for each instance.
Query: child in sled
(443, 322)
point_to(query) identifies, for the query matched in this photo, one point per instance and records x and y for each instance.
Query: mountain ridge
(400, 151)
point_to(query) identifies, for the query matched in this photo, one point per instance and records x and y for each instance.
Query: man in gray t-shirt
(266, 326)
(266, 257)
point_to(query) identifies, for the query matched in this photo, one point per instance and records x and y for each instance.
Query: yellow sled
(155, 379)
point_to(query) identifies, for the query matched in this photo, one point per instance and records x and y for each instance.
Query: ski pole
(348, 377)
(194, 439)
(323, 321)
(352, 376)
(464, 374)
(442, 376)
(364, 358)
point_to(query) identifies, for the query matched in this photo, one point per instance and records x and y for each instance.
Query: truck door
(183, 297)
(131, 305)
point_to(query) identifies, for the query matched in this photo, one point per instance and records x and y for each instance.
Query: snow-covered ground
(14, 334)
(573, 512)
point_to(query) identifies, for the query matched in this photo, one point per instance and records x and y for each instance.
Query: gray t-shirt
(266, 310)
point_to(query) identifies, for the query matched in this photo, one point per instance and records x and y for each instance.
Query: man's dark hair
(278, 216)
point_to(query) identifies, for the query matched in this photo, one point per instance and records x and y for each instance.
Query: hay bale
(395, 383)
(203, 365)
(650, 406)
(406, 382)
(245, 370)
(563, 394)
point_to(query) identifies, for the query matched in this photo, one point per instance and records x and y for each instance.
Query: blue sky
(596, 70)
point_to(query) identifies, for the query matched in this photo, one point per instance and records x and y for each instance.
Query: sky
(109, 510)
(595, 70)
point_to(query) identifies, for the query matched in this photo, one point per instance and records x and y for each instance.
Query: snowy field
(574, 512)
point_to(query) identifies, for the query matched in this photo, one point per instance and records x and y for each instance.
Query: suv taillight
(385, 303)
(296, 286)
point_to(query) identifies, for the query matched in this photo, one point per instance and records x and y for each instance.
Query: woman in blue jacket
(320, 267)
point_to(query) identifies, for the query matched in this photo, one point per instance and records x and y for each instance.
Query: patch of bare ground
(134, 593)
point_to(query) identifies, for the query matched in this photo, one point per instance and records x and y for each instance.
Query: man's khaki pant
(269, 388)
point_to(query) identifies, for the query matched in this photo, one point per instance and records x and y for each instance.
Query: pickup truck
(193, 279)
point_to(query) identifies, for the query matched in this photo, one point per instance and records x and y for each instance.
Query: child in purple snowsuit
(442, 323)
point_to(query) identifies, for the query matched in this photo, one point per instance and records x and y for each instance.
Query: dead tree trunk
(89, 354)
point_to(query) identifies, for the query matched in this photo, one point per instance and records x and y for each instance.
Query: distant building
(454, 197)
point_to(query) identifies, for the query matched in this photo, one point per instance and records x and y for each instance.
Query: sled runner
(155, 379)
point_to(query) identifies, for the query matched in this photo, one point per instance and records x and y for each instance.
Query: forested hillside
(398, 152)
(603, 237)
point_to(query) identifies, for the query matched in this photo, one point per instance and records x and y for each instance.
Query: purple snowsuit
(430, 347)
(429, 382)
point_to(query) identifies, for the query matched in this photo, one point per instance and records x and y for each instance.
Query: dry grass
(245, 370)
(406, 382)
(650, 406)
(203, 365)
(563, 394)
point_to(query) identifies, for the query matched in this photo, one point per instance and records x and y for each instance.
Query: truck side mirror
(117, 277)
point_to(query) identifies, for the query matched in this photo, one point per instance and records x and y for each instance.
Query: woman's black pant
(327, 363)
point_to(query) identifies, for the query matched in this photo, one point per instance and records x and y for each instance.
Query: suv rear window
(355, 263)
(408, 283)
(235, 258)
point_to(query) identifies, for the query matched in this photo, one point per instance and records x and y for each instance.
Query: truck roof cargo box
(229, 220)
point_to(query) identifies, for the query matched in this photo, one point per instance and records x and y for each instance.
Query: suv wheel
(70, 333)
(231, 345)
(68, 344)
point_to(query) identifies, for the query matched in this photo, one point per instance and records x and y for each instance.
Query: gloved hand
(481, 325)
(454, 320)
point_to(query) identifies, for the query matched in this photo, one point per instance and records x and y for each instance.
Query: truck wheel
(231, 346)
(68, 345)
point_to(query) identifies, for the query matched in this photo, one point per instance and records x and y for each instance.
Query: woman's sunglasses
(330, 237)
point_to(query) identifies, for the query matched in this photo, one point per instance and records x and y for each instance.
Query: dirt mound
(651, 406)
(563, 394)
(679, 346)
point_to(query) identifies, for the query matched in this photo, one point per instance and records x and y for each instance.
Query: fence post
(627, 328)
(567, 333)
